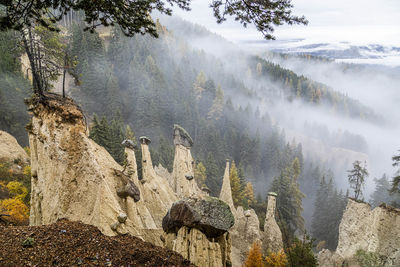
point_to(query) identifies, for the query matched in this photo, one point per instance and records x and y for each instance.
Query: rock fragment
(122, 217)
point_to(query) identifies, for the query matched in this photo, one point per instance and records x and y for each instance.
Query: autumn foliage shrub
(12, 204)
(17, 190)
(18, 211)
(10, 172)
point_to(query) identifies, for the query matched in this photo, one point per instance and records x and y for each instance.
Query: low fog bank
(327, 137)
(375, 86)
(381, 141)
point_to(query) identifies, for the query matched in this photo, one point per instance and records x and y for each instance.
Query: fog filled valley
(289, 123)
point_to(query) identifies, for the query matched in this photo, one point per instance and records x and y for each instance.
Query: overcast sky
(355, 21)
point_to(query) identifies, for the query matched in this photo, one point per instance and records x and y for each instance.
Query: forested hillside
(143, 86)
(151, 84)
(300, 87)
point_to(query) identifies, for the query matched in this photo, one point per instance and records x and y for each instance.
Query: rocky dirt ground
(68, 243)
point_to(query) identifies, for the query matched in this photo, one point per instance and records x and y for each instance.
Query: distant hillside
(296, 86)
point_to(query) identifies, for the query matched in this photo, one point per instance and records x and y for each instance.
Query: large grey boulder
(182, 137)
(210, 215)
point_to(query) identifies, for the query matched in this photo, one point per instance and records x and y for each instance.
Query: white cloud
(357, 21)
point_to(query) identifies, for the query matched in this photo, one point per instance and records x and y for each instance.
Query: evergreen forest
(141, 86)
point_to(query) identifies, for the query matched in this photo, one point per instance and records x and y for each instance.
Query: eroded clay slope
(376, 231)
(10, 150)
(74, 178)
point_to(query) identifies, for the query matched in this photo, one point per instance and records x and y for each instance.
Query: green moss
(220, 202)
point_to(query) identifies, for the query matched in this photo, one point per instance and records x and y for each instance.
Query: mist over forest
(366, 133)
(274, 115)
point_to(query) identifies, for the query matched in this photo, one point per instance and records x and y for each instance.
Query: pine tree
(213, 180)
(110, 135)
(299, 89)
(357, 178)
(166, 154)
(100, 132)
(242, 178)
(320, 210)
(129, 134)
(217, 107)
(94, 129)
(113, 94)
(381, 193)
(117, 135)
(289, 202)
(328, 211)
(396, 179)
(300, 253)
(296, 168)
(336, 207)
(198, 85)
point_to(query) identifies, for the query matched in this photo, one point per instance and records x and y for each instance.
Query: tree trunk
(29, 49)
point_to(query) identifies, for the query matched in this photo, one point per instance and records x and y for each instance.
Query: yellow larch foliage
(237, 194)
(198, 86)
(217, 107)
(276, 259)
(249, 193)
(255, 258)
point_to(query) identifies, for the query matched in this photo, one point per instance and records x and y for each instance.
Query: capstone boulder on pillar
(183, 183)
(226, 191)
(182, 137)
(198, 229)
(210, 215)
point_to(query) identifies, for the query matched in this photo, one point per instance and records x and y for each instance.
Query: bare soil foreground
(68, 243)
